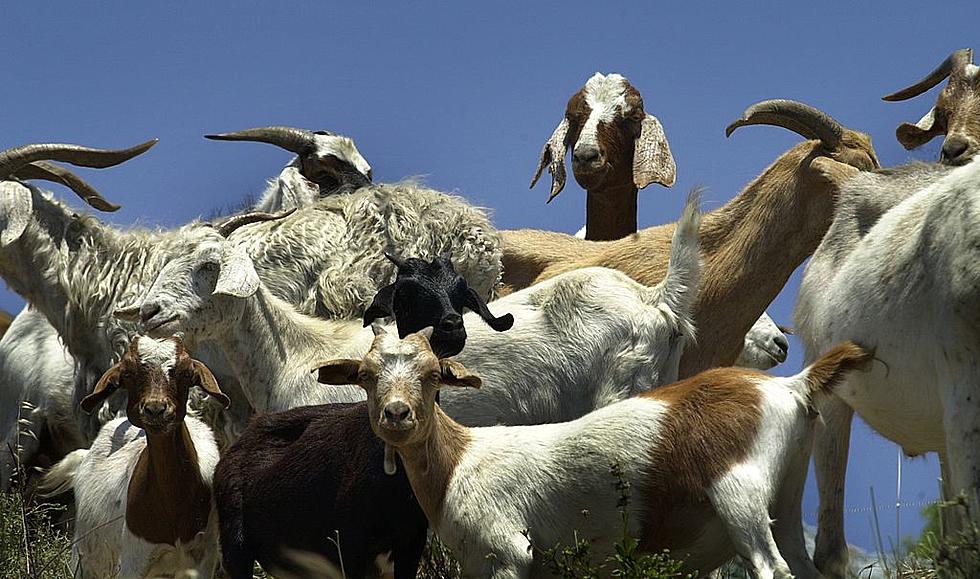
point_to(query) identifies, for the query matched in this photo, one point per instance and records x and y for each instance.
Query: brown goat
(617, 148)
(956, 113)
(750, 246)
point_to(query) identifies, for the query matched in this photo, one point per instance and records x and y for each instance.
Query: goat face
(401, 378)
(615, 144)
(334, 164)
(956, 113)
(431, 293)
(197, 293)
(157, 376)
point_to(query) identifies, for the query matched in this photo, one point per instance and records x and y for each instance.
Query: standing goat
(143, 491)
(898, 271)
(617, 148)
(750, 246)
(706, 457)
(956, 113)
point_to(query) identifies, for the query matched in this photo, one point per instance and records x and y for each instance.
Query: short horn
(795, 116)
(954, 61)
(51, 172)
(233, 223)
(295, 140)
(17, 157)
(398, 262)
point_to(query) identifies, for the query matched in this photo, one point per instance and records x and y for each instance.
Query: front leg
(832, 441)
(961, 421)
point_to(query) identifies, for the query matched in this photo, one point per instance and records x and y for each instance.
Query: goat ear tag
(16, 206)
(652, 159)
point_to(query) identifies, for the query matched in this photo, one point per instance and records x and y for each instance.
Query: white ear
(295, 189)
(378, 329)
(16, 206)
(652, 161)
(237, 277)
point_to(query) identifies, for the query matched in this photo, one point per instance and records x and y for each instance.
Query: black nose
(148, 310)
(954, 147)
(585, 154)
(782, 343)
(396, 411)
(451, 323)
(154, 409)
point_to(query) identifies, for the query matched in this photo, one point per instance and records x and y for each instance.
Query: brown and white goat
(750, 246)
(617, 148)
(956, 113)
(705, 458)
(143, 490)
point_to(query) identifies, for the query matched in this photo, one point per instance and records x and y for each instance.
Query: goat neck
(431, 462)
(167, 500)
(610, 213)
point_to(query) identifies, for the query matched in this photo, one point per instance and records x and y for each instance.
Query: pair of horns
(29, 162)
(956, 61)
(795, 116)
(294, 140)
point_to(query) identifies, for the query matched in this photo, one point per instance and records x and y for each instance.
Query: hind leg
(741, 499)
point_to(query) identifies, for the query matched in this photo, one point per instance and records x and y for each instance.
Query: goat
(956, 113)
(617, 148)
(751, 245)
(765, 345)
(705, 456)
(586, 338)
(895, 271)
(143, 490)
(295, 480)
(328, 164)
(432, 294)
(333, 248)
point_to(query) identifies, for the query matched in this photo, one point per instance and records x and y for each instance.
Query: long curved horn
(802, 119)
(957, 59)
(233, 223)
(290, 138)
(51, 172)
(17, 157)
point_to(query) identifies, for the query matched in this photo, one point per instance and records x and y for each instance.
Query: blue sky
(466, 95)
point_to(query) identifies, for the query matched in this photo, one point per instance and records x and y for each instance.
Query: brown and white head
(157, 376)
(401, 378)
(614, 142)
(956, 113)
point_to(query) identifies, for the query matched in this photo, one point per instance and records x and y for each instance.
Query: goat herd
(515, 422)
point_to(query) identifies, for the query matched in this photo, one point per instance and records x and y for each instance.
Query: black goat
(297, 480)
(424, 291)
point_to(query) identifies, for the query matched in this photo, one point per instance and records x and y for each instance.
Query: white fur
(763, 347)
(161, 353)
(897, 272)
(606, 96)
(579, 341)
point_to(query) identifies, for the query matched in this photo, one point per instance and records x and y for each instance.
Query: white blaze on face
(606, 96)
(343, 148)
(159, 353)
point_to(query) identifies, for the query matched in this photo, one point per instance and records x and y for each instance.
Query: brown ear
(104, 388)
(455, 374)
(652, 160)
(553, 155)
(338, 372)
(204, 379)
(912, 136)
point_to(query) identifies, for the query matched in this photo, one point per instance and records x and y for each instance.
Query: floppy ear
(652, 161)
(912, 136)
(834, 172)
(475, 303)
(338, 372)
(104, 388)
(381, 305)
(16, 205)
(128, 313)
(455, 374)
(553, 155)
(204, 379)
(237, 276)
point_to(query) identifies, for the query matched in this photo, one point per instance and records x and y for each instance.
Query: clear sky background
(466, 95)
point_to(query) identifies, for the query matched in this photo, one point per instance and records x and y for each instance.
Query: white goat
(579, 341)
(765, 345)
(143, 490)
(326, 164)
(897, 272)
(705, 458)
